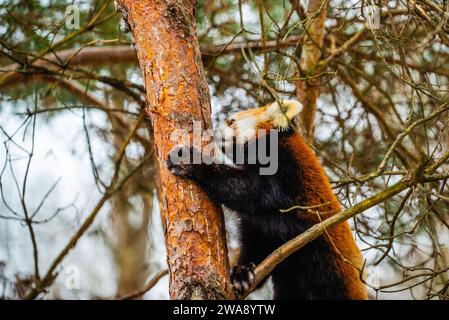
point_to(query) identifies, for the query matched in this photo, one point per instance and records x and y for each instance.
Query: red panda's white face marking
(243, 126)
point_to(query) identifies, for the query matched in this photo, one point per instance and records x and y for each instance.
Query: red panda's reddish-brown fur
(330, 267)
(348, 259)
(319, 195)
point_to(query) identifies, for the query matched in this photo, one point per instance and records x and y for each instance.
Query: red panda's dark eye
(230, 121)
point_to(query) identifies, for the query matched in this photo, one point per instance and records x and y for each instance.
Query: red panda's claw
(179, 161)
(242, 277)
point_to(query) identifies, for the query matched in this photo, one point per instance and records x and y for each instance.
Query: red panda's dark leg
(238, 189)
(254, 248)
(242, 189)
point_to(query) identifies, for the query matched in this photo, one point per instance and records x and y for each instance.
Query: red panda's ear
(282, 117)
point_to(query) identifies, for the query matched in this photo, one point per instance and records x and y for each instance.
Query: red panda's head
(245, 126)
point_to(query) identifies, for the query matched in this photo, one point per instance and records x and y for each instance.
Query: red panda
(329, 267)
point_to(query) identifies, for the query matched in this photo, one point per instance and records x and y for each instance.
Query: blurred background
(71, 92)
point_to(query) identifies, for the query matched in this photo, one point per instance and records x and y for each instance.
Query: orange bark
(307, 91)
(177, 94)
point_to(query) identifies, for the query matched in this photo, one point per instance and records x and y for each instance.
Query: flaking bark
(177, 94)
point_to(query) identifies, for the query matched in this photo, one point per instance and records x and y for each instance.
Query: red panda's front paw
(180, 161)
(242, 277)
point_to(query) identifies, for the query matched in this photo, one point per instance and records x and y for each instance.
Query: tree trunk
(177, 95)
(307, 91)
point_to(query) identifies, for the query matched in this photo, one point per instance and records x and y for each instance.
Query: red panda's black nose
(229, 121)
